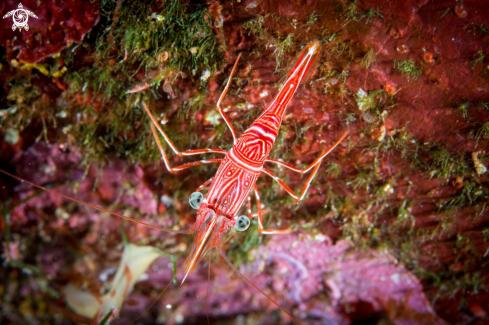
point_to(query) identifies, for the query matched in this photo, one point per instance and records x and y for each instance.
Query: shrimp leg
(196, 163)
(218, 105)
(201, 187)
(314, 163)
(197, 151)
(304, 189)
(255, 215)
(181, 167)
(260, 217)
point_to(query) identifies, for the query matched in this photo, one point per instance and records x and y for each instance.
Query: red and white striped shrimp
(238, 172)
(241, 167)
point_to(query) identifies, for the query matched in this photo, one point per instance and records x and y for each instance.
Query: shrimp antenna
(92, 205)
(207, 293)
(159, 296)
(254, 286)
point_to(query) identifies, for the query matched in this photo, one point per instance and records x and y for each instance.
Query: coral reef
(394, 229)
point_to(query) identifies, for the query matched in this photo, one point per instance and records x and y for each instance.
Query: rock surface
(394, 229)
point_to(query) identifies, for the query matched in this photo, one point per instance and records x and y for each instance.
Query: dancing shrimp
(235, 180)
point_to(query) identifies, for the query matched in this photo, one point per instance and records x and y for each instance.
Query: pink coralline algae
(320, 282)
(355, 281)
(49, 165)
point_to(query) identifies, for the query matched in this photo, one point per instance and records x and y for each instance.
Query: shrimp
(235, 179)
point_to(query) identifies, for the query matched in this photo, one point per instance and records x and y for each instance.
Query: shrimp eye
(242, 223)
(196, 199)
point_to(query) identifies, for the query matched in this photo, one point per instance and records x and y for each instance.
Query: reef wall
(394, 228)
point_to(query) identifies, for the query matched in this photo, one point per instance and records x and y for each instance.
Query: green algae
(282, 44)
(463, 109)
(400, 233)
(368, 59)
(351, 13)
(482, 133)
(478, 59)
(408, 68)
(174, 41)
(477, 29)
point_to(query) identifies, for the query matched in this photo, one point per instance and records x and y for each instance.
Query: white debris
(166, 200)
(360, 98)
(320, 238)
(12, 136)
(395, 277)
(205, 75)
(213, 117)
(479, 166)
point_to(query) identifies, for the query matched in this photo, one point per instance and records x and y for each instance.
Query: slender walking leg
(207, 293)
(218, 105)
(181, 167)
(314, 163)
(260, 219)
(196, 163)
(201, 187)
(167, 139)
(304, 189)
(255, 215)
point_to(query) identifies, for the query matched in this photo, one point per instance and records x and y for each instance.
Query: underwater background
(394, 228)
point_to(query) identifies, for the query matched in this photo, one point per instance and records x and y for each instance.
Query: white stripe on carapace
(284, 98)
(238, 161)
(223, 190)
(217, 191)
(262, 132)
(258, 142)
